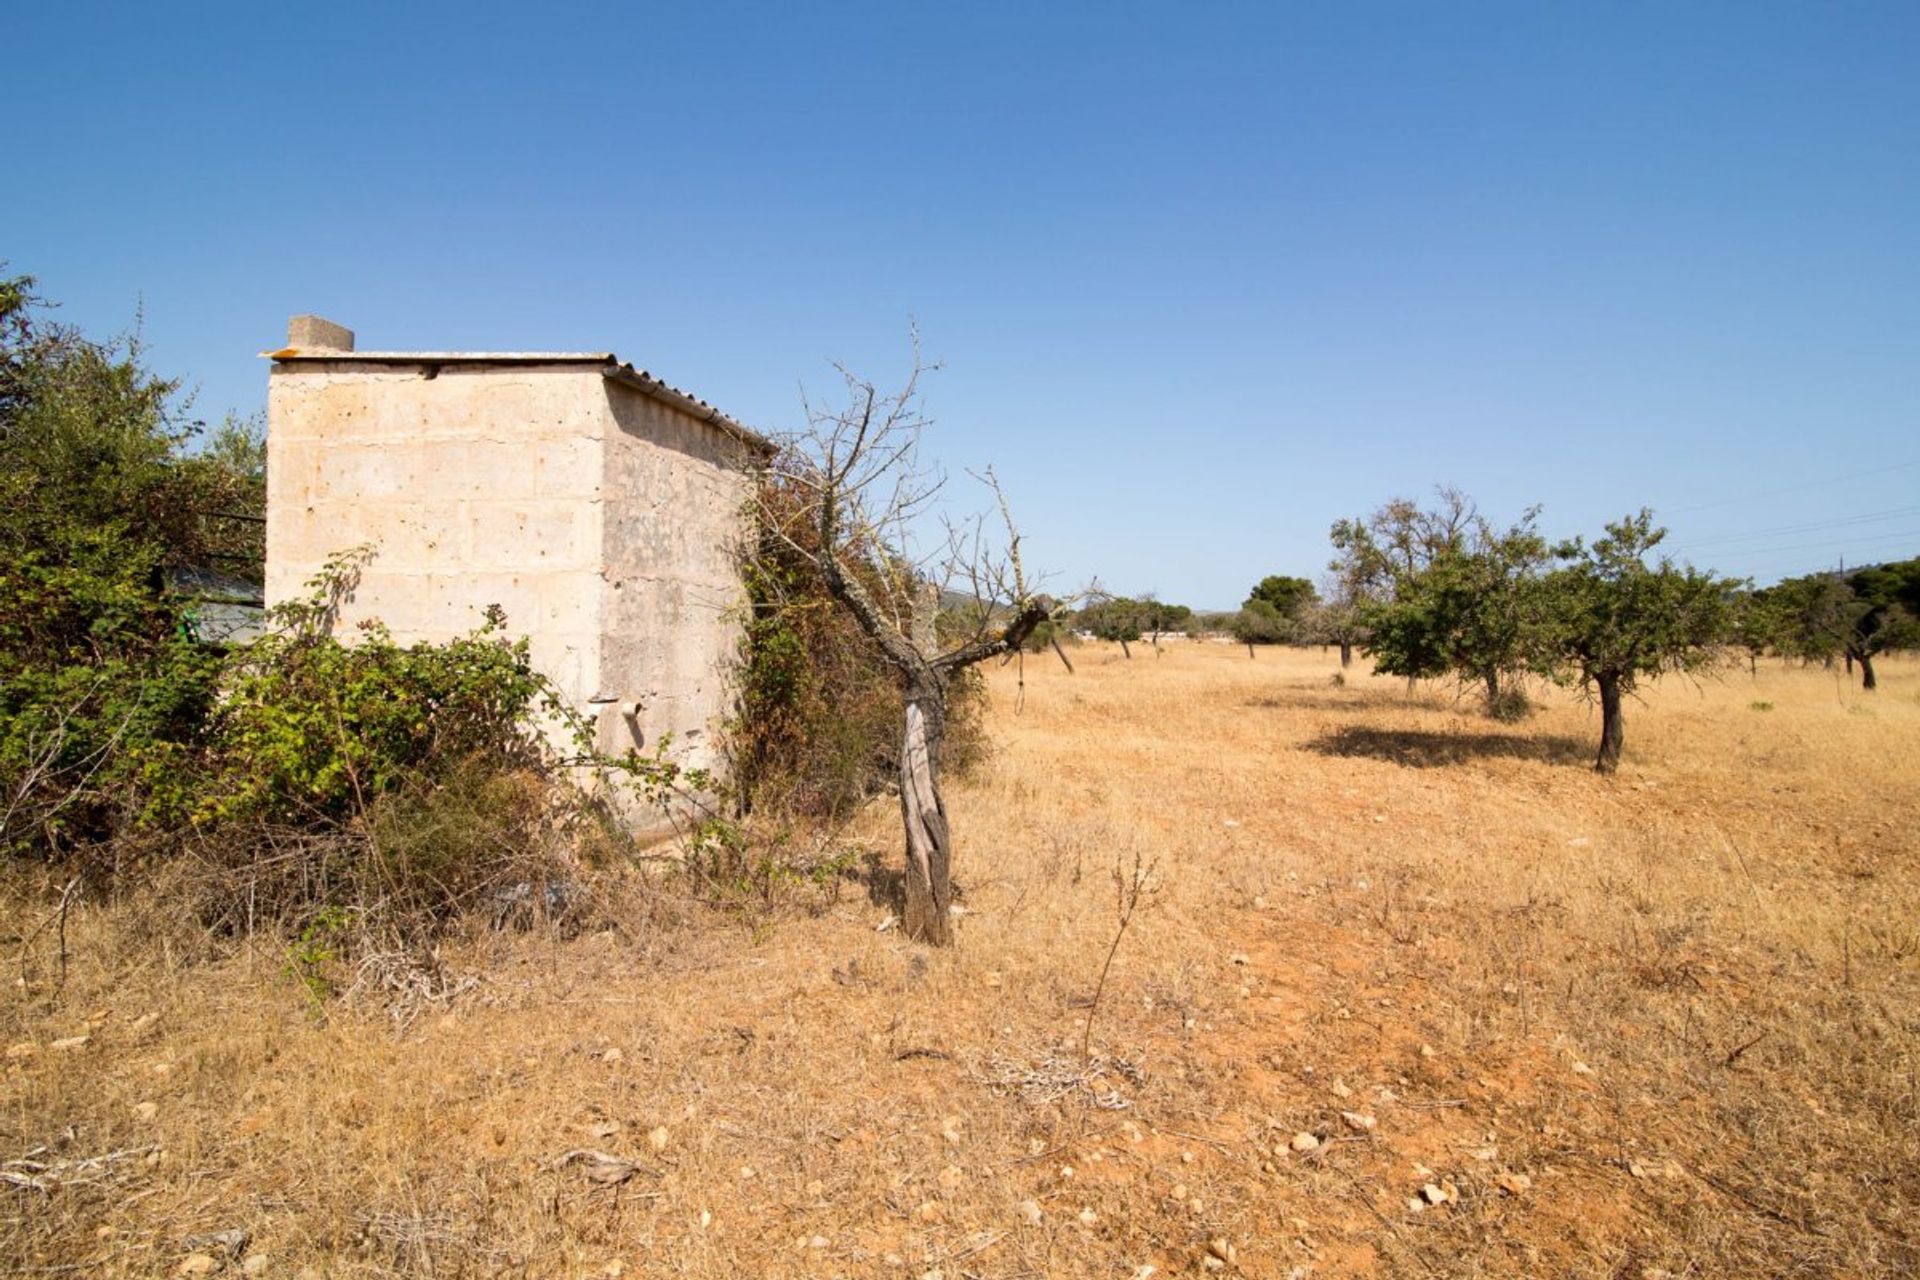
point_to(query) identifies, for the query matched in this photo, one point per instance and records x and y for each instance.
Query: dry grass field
(1407, 993)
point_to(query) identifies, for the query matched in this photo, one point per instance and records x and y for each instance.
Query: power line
(1795, 488)
(1815, 526)
(1911, 538)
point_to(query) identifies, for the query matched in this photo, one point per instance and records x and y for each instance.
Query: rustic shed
(600, 508)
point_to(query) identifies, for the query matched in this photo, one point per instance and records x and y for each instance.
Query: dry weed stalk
(1128, 889)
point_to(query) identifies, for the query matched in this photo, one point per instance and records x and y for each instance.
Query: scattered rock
(231, 1241)
(1582, 1069)
(1179, 1191)
(612, 1055)
(196, 1264)
(24, 1049)
(1514, 1184)
(1359, 1121)
(1066, 1172)
(142, 1022)
(144, 1112)
(819, 1242)
(1088, 1217)
(602, 1129)
(257, 1264)
(1304, 1142)
(1426, 1051)
(1238, 957)
(607, 1170)
(1340, 1090)
(1432, 1194)
(659, 1138)
(70, 1042)
(931, 1211)
(1259, 903)
(1186, 1157)
(1222, 1248)
(1030, 1212)
(816, 1189)
(950, 1130)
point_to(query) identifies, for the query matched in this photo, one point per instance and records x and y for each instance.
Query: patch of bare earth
(1411, 993)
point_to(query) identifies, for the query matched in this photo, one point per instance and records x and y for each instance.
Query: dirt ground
(1405, 993)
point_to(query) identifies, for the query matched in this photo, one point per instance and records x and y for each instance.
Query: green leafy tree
(1473, 609)
(1883, 614)
(1116, 618)
(1337, 619)
(1374, 554)
(100, 500)
(1160, 617)
(1614, 620)
(1810, 616)
(1754, 624)
(1856, 616)
(1290, 597)
(1258, 622)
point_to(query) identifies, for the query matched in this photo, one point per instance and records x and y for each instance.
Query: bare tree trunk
(1123, 647)
(1867, 681)
(1612, 725)
(1249, 651)
(1492, 680)
(929, 885)
(1346, 654)
(1849, 662)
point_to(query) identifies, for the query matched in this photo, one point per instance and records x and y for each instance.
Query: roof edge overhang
(609, 365)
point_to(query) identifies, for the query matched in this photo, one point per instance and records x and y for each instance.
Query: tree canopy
(1613, 619)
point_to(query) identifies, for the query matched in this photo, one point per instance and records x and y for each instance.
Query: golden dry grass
(1663, 1023)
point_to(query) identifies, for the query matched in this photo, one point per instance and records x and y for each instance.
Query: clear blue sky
(1205, 277)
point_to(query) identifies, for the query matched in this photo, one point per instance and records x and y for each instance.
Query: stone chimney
(313, 333)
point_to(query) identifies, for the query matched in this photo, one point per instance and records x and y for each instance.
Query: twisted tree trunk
(1612, 724)
(928, 915)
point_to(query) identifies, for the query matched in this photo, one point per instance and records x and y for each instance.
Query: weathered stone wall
(675, 510)
(601, 520)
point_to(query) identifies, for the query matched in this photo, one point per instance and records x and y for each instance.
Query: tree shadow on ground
(886, 886)
(1349, 700)
(1419, 749)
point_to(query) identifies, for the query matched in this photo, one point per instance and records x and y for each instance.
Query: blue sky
(1204, 277)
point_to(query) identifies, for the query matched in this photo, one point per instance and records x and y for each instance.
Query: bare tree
(866, 497)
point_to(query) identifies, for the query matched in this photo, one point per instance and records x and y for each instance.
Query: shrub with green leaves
(101, 495)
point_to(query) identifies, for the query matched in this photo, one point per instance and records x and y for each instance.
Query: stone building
(599, 507)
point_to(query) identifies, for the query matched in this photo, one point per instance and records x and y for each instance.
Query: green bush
(100, 497)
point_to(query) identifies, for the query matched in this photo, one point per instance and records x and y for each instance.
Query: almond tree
(866, 497)
(1613, 619)
(1472, 610)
